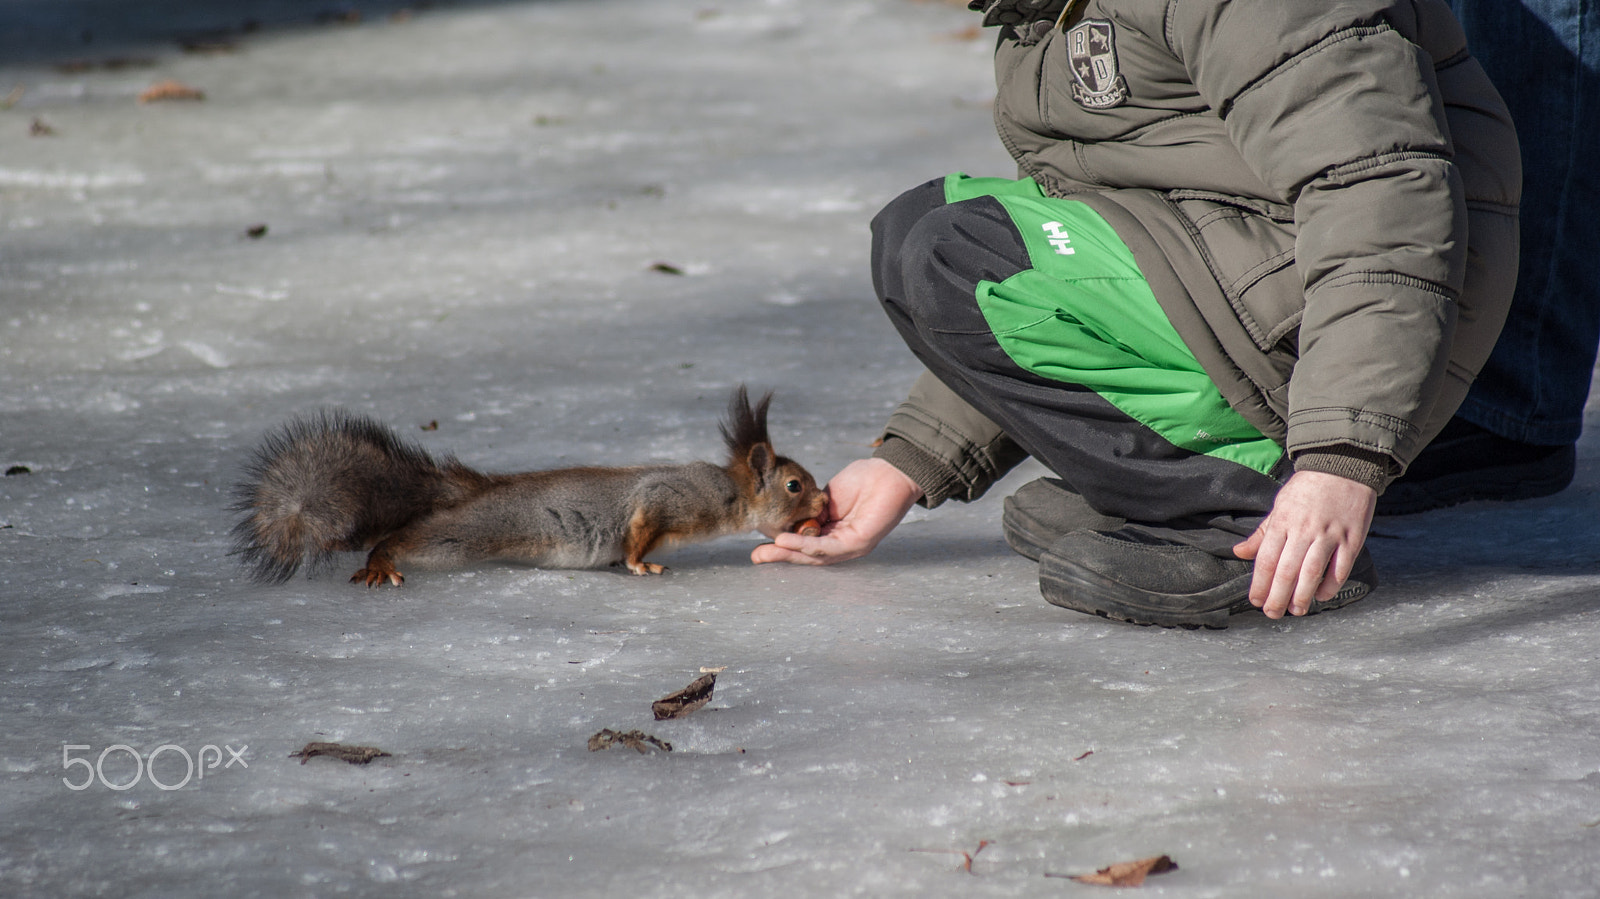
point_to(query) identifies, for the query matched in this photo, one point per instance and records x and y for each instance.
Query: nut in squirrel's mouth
(810, 527)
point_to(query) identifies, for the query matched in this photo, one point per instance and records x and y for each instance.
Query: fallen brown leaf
(690, 698)
(170, 90)
(1125, 874)
(633, 739)
(355, 755)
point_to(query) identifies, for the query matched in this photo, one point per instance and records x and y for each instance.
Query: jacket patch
(1096, 81)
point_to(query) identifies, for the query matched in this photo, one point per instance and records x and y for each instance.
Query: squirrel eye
(793, 486)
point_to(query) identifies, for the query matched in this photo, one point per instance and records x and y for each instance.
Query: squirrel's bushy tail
(330, 483)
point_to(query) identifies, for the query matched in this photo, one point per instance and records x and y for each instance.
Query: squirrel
(338, 482)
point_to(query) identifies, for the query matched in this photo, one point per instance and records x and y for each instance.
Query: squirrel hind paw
(374, 577)
(645, 568)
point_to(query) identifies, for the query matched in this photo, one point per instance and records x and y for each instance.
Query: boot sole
(1070, 586)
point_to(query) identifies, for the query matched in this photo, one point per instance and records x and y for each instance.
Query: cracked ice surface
(463, 210)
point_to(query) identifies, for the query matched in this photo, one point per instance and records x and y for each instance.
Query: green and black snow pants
(1032, 310)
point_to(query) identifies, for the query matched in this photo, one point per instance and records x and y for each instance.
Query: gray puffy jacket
(1323, 196)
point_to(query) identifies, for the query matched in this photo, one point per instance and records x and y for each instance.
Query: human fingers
(1268, 549)
(1252, 545)
(1315, 571)
(1344, 561)
(841, 545)
(1296, 576)
(771, 552)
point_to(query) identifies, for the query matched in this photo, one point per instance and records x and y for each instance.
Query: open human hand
(867, 499)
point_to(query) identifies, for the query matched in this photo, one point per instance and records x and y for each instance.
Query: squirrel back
(338, 482)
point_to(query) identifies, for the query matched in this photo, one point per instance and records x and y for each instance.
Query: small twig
(966, 857)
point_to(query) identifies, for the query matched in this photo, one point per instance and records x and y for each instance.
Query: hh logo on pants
(1092, 48)
(1058, 237)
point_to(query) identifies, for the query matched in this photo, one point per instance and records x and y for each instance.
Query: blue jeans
(1544, 56)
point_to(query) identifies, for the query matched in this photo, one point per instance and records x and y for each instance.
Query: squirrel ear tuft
(745, 427)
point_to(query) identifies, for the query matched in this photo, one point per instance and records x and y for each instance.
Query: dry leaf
(1127, 874)
(690, 698)
(170, 90)
(633, 739)
(666, 268)
(355, 755)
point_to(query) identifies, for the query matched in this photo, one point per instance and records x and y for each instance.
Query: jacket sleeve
(1337, 111)
(951, 450)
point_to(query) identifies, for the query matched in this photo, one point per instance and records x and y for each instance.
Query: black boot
(1131, 575)
(1466, 462)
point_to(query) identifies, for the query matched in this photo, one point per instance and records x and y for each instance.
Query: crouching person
(1258, 252)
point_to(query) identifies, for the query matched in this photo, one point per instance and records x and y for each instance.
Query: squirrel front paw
(638, 566)
(374, 575)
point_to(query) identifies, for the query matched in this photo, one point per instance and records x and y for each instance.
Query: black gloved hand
(1016, 12)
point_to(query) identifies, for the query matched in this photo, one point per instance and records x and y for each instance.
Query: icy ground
(464, 208)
